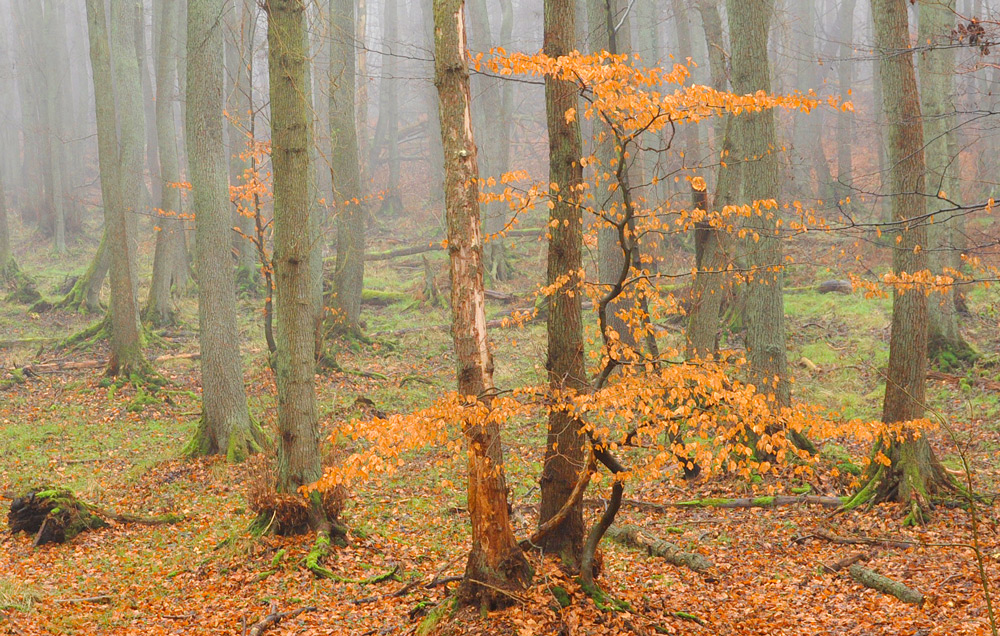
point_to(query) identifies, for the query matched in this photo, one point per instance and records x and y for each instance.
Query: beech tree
(936, 66)
(225, 427)
(496, 565)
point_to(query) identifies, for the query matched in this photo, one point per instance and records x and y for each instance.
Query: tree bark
(298, 429)
(225, 427)
(913, 473)
(564, 447)
(936, 66)
(845, 80)
(496, 567)
(345, 170)
(387, 128)
(170, 255)
(749, 22)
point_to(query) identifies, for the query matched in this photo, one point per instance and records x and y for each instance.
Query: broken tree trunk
(56, 516)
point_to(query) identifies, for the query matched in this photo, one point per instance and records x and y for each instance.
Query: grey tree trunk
(126, 332)
(55, 83)
(496, 566)
(149, 108)
(387, 130)
(298, 429)
(491, 127)
(242, 27)
(225, 426)
(749, 22)
(170, 267)
(611, 259)
(345, 170)
(936, 66)
(845, 80)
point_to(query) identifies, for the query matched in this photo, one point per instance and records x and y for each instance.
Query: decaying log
(874, 580)
(79, 365)
(833, 538)
(56, 516)
(635, 537)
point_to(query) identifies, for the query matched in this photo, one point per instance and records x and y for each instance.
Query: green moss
(561, 595)
(821, 353)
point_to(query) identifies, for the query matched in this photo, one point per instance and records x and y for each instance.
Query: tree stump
(54, 516)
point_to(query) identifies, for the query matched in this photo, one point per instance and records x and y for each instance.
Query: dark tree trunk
(564, 448)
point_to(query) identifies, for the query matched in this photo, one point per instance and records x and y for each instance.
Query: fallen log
(955, 380)
(872, 579)
(80, 365)
(846, 562)
(770, 501)
(834, 538)
(635, 537)
(434, 246)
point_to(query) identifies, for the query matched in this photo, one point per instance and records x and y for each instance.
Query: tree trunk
(242, 20)
(345, 170)
(225, 427)
(496, 564)
(387, 129)
(55, 35)
(749, 22)
(490, 128)
(298, 428)
(564, 448)
(913, 474)
(149, 109)
(170, 256)
(126, 332)
(845, 80)
(7, 263)
(936, 66)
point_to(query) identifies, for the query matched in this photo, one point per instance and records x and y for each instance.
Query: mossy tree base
(950, 353)
(240, 443)
(913, 477)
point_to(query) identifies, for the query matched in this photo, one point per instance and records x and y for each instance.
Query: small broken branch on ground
(833, 538)
(59, 367)
(275, 617)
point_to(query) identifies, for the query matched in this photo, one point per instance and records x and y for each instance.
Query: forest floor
(208, 575)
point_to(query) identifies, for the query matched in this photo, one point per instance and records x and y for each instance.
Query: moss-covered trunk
(298, 428)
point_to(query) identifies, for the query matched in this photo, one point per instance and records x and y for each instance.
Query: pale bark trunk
(387, 129)
(845, 80)
(298, 428)
(170, 255)
(242, 20)
(345, 170)
(564, 447)
(225, 427)
(936, 66)
(126, 332)
(55, 36)
(496, 564)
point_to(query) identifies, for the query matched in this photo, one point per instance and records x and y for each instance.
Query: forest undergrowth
(408, 534)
